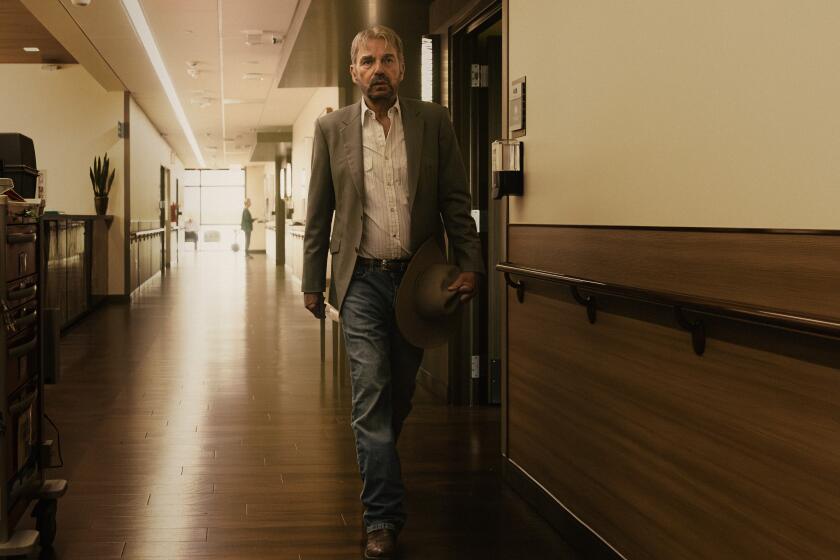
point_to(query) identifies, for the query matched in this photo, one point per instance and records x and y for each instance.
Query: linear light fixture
(141, 27)
(31, 49)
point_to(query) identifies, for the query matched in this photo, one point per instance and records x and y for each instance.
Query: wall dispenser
(507, 168)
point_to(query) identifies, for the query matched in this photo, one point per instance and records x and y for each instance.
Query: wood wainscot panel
(665, 454)
(779, 270)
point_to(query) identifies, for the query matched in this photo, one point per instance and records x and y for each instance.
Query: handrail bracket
(696, 328)
(588, 302)
(518, 285)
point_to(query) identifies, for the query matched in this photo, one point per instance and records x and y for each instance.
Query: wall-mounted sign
(516, 112)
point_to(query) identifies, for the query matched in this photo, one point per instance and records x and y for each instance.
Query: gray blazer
(439, 196)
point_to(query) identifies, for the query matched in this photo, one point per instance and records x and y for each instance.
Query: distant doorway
(213, 202)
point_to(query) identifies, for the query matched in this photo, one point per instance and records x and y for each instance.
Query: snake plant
(99, 177)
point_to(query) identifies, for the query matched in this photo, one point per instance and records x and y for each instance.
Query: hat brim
(416, 329)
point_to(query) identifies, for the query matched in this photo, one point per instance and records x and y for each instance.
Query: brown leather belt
(387, 265)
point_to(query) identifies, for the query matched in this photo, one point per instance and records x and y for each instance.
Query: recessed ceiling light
(253, 76)
(31, 49)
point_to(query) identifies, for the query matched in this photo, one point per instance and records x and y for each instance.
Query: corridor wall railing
(146, 255)
(580, 287)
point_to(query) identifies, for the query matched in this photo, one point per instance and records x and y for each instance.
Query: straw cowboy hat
(427, 312)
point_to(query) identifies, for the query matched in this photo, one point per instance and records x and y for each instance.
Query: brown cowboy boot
(381, 544)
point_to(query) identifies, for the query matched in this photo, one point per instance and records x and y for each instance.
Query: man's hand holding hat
(431, 297)
(466, 284)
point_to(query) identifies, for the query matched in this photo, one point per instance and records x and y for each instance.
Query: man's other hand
(314, 302)
(466, 284)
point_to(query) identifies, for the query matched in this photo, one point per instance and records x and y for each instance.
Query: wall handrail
(147, 233)
(787, 320)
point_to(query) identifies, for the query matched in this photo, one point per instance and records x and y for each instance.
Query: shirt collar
(365, 109)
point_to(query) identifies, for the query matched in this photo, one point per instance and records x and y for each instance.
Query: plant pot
(101, 203)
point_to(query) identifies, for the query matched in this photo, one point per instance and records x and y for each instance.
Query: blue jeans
(383, 370)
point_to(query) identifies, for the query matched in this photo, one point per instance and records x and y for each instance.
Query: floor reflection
(201, 423)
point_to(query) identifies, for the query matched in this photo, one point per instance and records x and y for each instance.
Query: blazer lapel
(413, 130)
(351, 136)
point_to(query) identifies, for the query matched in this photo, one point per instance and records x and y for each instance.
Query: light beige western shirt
(386, 212)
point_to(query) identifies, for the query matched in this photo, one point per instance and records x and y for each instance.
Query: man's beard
(385, 93)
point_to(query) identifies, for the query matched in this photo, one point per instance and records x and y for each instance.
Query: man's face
(377, 70)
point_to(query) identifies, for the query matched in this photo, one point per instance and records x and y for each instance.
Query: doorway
(165, 179)
(476, 103)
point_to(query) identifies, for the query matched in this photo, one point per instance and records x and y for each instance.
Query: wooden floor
(199, 423)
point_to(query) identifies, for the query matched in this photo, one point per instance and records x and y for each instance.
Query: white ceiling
(212, 34)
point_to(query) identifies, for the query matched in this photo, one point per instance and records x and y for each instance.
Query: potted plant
(101, 181)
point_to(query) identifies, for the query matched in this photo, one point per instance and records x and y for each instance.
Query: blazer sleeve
(454, 200)
(320, 205)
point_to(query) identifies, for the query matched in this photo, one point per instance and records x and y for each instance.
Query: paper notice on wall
(42, 185)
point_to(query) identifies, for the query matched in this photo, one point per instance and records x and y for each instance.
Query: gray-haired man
(391, 171)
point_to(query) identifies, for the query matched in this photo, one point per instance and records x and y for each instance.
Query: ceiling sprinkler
(192, 69)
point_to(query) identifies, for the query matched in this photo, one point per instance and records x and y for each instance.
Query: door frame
(165, 184)
(460, 55)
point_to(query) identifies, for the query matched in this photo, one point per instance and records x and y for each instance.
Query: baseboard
(119, 299)
(573, 530)
(432, 385)
(95, 303)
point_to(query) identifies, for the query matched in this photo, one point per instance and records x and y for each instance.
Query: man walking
(390, 170)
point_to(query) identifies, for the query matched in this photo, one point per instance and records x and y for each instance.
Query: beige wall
(666, 113)
(302, 132)
(255, 177)
(71, 119)
(149, 151)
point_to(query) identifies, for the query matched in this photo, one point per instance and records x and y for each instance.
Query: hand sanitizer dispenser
(507, 168)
